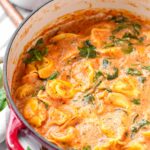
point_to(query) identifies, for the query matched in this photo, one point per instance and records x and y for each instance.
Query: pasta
(86, 86)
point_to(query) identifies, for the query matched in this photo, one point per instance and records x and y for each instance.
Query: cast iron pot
(28, 30)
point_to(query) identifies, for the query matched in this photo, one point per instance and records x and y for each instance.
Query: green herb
(129, 36)
(35, 55)
(97, 75)
(133, 72)
(136, 101)
(42, 87)
(39, 42)
(136, 28)
(88, 50)
(3, 101)
(119, 19)
(146, 68)
(134, 119)
(89, 99)
(105, 63)
(54, 75)
(124, 43)
(28, 148)
(114, 75)
(108, 90)
(127, 48)
(87, 147)
(138, 126)
(46, 105)
(120, 27)
(108, 45)
(142, 79)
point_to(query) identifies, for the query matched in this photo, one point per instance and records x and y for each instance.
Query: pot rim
(7, 89)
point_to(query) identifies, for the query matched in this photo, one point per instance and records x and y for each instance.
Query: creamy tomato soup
(88, 86)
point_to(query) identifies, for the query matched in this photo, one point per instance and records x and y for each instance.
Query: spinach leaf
(119, 19)
(42, 87)
(146, 68)
(87, 147)
(136, 101)
(89, 99)
(142, 79)
(114, 75)
(97, 75)
(120, 27)
(136, 28)
(54, 75)
(88, 50)
(133, 72)
(35, 55)
(3, 101)
(105, 63)
(28, 148)
(39, 42)
(127, 48)
(138, 126)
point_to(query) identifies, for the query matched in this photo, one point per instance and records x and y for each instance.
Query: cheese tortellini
(25, 90)
(35, 112)
(45, 68)
(114, 124)
(83, 75)
(118, 99)
(65, 136)
(127, 86)
(60, 89)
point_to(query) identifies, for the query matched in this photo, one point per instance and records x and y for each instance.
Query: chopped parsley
(89, 99)
(54, 75)
(135, 128)
(42, 87)
(88, 147)
(142, 79)
(88, 50)
(136, 101)
(114, 75)
(35, 55)
(105, 63)
(97, 75)
(146, 68)
(133, 72)
(39, 42)
(119, 19)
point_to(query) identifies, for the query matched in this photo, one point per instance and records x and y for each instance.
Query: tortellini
(118, 99)
(63, 36)
(127, 86)
(133, 145)
(66, 135)
(45, 68)
(24, 91)
(31, 68)
(58, 117)
(99, 35)
(64, 114)
(111, 144)
(114, 124)
(83, 75)
(35, 112)
(146, 134)
(60, 89)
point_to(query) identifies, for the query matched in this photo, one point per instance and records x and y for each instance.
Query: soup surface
(88, 86)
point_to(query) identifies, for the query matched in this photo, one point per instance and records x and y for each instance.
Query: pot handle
(14, 126)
